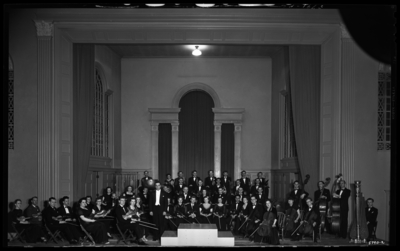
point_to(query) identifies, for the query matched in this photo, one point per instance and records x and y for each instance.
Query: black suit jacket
(178, 190)
(227, 184)
(262, 199)
(254, 189)
(256, 213)
(48, 213)
(216, 196)
(194, 209)
(119, 212)
(192, 183)
(61, 211)
(185, 200)
(208, 182)
(177, 181)
(344, 200)
(371, 215)
(163, 201)
(245, 184)
(325, 192)
(234, 210)
(197, 189)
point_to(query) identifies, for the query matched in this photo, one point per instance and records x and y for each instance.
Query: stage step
(198, 235)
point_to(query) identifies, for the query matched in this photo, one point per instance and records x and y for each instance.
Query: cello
(335, 207)
(323, 204)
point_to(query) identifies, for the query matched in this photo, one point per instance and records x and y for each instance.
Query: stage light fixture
(196, 52)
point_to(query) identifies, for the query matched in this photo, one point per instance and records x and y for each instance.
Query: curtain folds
(196, 134)
(228, 149)
(83, 112)
(164, 151)
(304, 87)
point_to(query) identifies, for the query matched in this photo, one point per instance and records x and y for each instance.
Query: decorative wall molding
(345, 32)
(44, 28)
(193, 87)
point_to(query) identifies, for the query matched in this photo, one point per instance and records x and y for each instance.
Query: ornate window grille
(10, 104)
(100, 120)
(384, 107)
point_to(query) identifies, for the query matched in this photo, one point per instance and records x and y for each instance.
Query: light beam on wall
(196, 52)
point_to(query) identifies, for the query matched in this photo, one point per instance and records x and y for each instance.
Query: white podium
(199, 235)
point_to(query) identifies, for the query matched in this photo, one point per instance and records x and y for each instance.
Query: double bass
(335, 207)
(323, 204)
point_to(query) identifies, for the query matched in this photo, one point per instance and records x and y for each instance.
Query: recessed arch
(196, 86)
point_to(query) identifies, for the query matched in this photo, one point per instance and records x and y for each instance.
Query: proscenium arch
(193, 87)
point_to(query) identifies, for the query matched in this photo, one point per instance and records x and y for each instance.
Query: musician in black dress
(220, 214)
(371, 213)
(206, 212)
(180, 212)
(291, 219)
(268, 229)
(322, 195)
(298, 195)
(343, 194)
(243, 215)
(101, 214)
(128, 194)
(33, 232)
(234, 210)
(107, 198)
(168, 179)
(96, 228)
(226, 182)
(208, 181)
(144, 215)
(54, 222)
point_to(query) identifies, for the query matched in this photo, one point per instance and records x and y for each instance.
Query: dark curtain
(228, 149)
(164, 151)
(305, 90)
(83, 108)
(196, 134)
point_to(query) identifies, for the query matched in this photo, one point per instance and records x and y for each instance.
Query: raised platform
(198, 235)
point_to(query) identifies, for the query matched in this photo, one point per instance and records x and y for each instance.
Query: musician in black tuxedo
(263, 183)
(322, 192)
(192, 210)
(234, 210)
(178, 189)
(185, 195)
(235, 188)
(65, 210)
(245, 182)
(145, 179)
(343, 194)
(254, 188)
(217, 186)
(54, 222)
(371, 213)
(192, 181)
(125, 221)
(180, 176)
(256, 213)
(260, 195)
(226, 182)
(220, 194)
(197, 190)
(208, 181)
(310, 223)
(298, 195)
(158, 209)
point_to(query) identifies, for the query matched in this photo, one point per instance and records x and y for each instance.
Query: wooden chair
(87, 234)
(281, 223)
(53, 235)
(123, 236)
(13, 232)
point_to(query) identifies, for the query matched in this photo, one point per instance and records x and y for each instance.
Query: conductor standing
(158, 209)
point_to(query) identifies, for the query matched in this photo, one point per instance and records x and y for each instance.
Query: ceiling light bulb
(196, 52)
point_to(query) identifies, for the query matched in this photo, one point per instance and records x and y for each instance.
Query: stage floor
(327, 241)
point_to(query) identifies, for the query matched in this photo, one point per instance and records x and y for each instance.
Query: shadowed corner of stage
(372, 27)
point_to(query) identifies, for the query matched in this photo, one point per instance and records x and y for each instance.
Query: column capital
(217, 128)
(44, 28)
(175, 128)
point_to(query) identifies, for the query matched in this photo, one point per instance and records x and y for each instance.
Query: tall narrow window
(10, 104)
(384, 107)
(100, 119)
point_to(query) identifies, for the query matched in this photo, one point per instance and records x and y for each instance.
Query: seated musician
(197, 190)
(203, 194)
(144, 215)
(243, 215)
(192, 210)
(234, 211)
(192, 181)
(144, 196)
(180, 176)
(268, 229)
(101, 213)
(33, 212)
(180, 212)
(89, 202)
(241, 193)
(371, 213)
(254, 188)
(128, 194)
(65, 210)
(220, 214)
(97, 229)
(322, 193)
(309, 223)
(54, 222)
(256, 213)
(33, 232)
(298, 195)
(292, 218)
(168, 192)
(169, 216)
(126, 221)
(172, 187)
(185, 195)
(236, 187)
(135, 213)
(219, 195)
(205, 211)
(217, 186)
(208, 181)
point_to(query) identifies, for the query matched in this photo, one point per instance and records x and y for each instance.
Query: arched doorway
(196, 133)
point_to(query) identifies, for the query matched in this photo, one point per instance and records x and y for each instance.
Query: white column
(154, 149)
(217, 149)
(175, 148)
(238, 146)
(47, 183)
